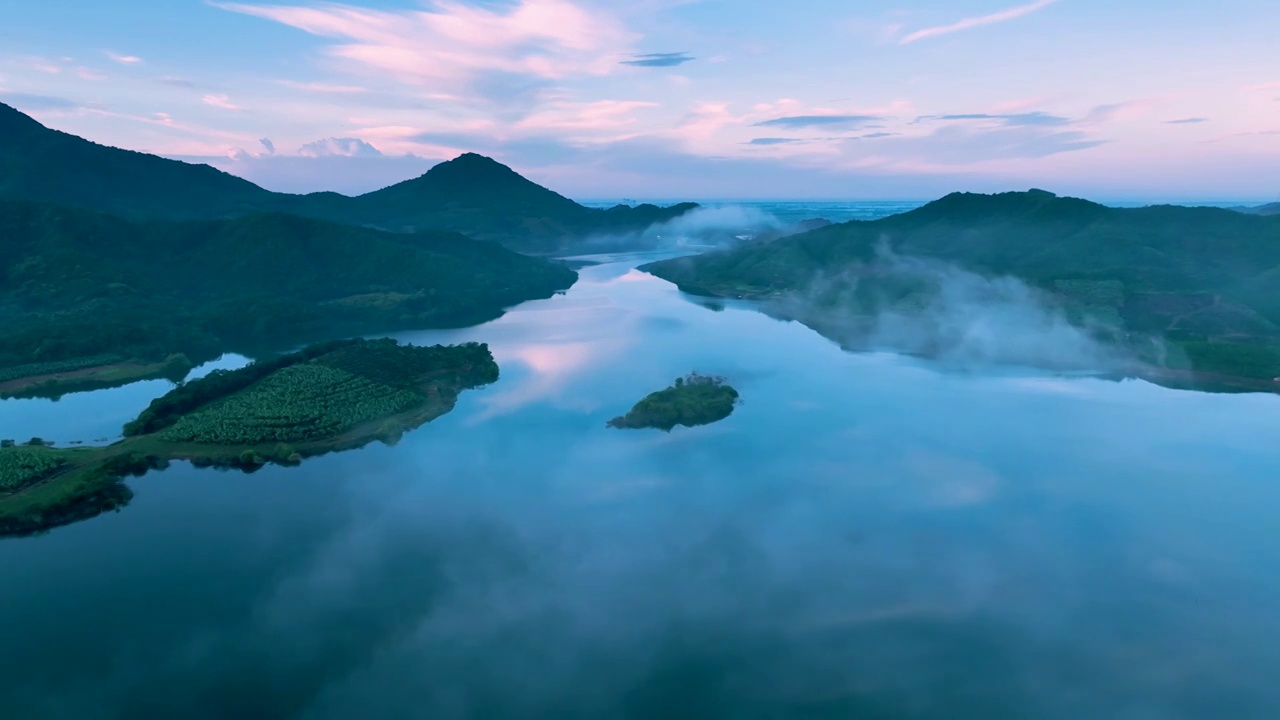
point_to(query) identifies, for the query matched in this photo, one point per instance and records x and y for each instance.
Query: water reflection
(865, 537)
(92, 418)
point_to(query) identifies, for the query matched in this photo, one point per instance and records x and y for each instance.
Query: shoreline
(1173, 378)
(90, 480)
(100, 377)
(94, 482)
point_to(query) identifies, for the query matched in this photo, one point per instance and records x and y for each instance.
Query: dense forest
(472, 194)
(1204, 280)
(83, 288)
(691, 401)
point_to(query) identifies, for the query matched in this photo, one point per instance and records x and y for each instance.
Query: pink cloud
(219, 101)
(1127, 110)
(1244, 134)
(600, 116)
(707, 122)
(40, 64)
(969, 23)
(1019, 105)
(451, 44)
(326, 88)
(123, 59)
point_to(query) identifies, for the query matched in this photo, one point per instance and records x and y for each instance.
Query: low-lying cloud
(718, 221)
(717, 225)
(934, 309)
(349, 166)
(339, 147)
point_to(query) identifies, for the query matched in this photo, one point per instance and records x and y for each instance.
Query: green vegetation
(325, 398)
(1205, 282)
(189, 397)
(1247, 360)
(19, 372)
(22, 466)
(487, 200)
(693, 400)
(91, 376)
(299, 403)
(86, 290)
(471, 194)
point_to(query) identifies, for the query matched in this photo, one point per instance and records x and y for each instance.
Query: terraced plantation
(21, 467)
(297, 404)
(325, 398)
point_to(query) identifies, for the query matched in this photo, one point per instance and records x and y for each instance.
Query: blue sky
(1132, 99)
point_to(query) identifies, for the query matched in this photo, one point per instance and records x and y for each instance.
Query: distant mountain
(80, 285)
(1205, 279)
(486, 199)
(1272, 209)
(472, 194)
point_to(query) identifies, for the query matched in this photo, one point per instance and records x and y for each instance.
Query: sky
(1172, 100)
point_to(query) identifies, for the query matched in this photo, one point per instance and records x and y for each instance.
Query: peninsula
(326, 398)
(691, 401)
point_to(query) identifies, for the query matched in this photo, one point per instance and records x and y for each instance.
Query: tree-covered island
(329, 397)
(693, 400)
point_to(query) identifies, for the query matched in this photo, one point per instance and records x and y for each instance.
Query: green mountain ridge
(79, 284)
(1206, 280)
(471, 194)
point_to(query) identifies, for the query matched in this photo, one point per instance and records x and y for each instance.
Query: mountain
(1204, 280)
(1272, 209)
(472, 194)
(488, 200)
(41, 165)
(81, 287)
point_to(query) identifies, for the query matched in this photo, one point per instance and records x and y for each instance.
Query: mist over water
(931, 308)
(868, 536)
(726, 223)
(795, 211)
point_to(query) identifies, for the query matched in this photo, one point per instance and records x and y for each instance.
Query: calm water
(867, 536)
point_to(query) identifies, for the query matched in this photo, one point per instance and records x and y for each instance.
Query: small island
(326, 398)
(693, 400)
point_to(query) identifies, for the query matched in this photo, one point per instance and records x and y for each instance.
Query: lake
(868, 536)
